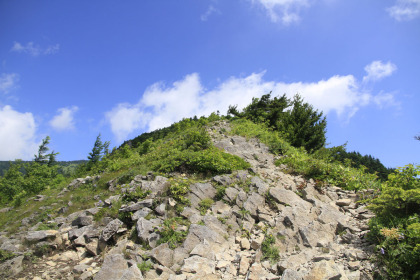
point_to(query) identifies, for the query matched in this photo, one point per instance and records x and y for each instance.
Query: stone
(316, 234)
(92, 247)
(11, 267)
(326, 270)
(158, 186)
(110, 229)
(231, 194)
(117, 268)
(253, 202)
(343, 202)
(261, 186)
(145, 229)
(161, 209)
(290, 274)
(36, 236)
(111, 199)
(245, 245)
(139, 205)
(200, 191)
(243, 265)
(163, 255)
(142, 213)
(82, 221)
(256, 242)
(288, 198)
(224, 180)
(198, 265)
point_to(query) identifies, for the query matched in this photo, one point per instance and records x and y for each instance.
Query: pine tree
(42, 157)
(99, 150)
(303, 125)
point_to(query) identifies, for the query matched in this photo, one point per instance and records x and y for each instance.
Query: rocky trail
(318, 232)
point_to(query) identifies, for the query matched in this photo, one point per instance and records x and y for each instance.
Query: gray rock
(142, 213)
(117, 268)
(163, 255)
(316, 234)
(343, 202)
(158, 186)
(111, 199)
(200, 191)
(136, 206)
(287, 197)
(82, 221)
(145, 230)
(261, 186)
(77, 232)
(161, 209)
(253, 202)
(224, 180)
(199, 265)
(290, 274)
(110, 229)
(231, 194)
(36, 236)
(11, 267)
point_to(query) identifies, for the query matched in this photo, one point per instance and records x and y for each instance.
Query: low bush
(396, 227)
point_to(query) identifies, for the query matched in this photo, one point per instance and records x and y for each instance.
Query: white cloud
(17, 134)
(34, 50)
(210, 10)
(64, 120)
(161, 105)
(126, 118)
(285, 11)
(8, 82)
(405, 10)
(378, 70)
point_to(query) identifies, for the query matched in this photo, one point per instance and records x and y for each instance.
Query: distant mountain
(4, 165)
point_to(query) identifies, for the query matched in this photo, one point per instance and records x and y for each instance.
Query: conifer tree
(42, 157)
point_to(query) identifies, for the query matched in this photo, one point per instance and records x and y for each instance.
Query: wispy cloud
(8, 82)
(161, 105)
(34, 50)
(405, 10)
(64, 120)
(17, 134)
(378, 70)
(284, 11)
(210, 11)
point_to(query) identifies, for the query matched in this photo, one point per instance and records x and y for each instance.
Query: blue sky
(74, 69)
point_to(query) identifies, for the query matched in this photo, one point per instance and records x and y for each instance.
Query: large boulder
(115, 267)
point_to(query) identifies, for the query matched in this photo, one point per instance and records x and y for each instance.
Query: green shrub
(145, 266)
(268, 249)
(178, 190)
(169, 233)
(396, 227)
(204, 205)
(5, 255)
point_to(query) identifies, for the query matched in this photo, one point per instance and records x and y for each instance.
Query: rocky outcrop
(267, 224)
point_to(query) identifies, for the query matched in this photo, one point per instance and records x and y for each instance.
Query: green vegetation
(355, 159)
(396, 227)
(169, 233)
(292, 129)
(270, 252)
(204, 205)
(301, 126)
(319, 165)
(145, 266)
(5, 255)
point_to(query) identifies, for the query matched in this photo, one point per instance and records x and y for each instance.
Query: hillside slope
(259, 223)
